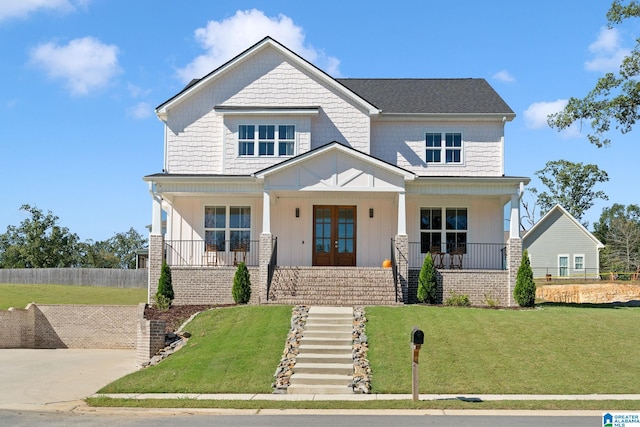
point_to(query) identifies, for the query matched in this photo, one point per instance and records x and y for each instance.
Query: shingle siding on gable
(561, 236)
(196, 135)
(403, 143)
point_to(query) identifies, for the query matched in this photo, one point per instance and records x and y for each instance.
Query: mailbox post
(417, 339)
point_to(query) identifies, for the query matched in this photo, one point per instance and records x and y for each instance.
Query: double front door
(334, 235)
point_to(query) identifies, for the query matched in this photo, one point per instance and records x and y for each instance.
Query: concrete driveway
(58, 379)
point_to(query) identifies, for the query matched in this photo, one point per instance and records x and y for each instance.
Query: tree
(38, 242)
(619, 229)
(525, 290)
(571, 186)
(427, 282)
(615, 98)
(164, 294)
(241, 289)
(124, 245)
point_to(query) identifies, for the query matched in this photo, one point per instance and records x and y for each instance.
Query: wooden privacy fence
(107, 277)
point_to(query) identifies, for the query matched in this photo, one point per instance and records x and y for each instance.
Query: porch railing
(468, 256)
(273, 262)
(196, 253)
(394, 268)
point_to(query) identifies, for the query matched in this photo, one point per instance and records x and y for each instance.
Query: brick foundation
(479, 285)
(209, 285)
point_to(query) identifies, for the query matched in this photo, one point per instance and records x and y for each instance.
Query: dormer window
(272, 140)
(452, 147)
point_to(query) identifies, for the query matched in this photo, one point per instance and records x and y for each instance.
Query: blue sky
(81, 78)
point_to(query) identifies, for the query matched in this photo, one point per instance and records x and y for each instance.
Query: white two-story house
(314, 181)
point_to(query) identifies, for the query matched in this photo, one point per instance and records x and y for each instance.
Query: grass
(231, 350)
(596, 405)
(19, 296)
(549, 350)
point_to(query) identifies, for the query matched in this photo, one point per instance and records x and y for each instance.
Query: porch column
(514, 257)
(514, 219)
(156, 244)
(266, 213)
(402, 214)
(265, 249)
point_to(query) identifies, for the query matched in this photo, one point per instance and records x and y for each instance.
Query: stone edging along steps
(325, 352)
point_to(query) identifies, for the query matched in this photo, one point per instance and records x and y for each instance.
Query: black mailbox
(417, 336)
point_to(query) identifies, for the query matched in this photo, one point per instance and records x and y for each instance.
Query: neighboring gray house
(560, 246)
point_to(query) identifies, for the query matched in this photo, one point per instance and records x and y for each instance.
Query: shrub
(165, 289)
(241, 289)
(163, 303)
(427, 282)
(525, 291)
(458, 300)
(490, 301)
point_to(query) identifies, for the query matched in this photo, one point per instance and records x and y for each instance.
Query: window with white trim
(452, 147)
(563, 265)
(578, 262)
(453, 231)
(272, 140)
(227, 223)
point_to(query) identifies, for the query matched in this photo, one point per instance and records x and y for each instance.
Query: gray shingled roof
(429, 96)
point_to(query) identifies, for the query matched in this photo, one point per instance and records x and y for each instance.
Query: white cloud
(223, 40)
(137, 92)
(504, 76)
(535, 117)
(85, 64)
(608, 52)
(22, 8)
(141, 110)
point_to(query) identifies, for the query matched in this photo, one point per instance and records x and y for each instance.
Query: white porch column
(402, 214)
(266, 213)
(156, 213)
(514, 220)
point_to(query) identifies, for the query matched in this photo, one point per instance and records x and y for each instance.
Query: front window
(239, 226)
(452, 147)
(456, 234)
(222, 223)
(271, 140)
(430, 229)
(215, 232)
(434, 146)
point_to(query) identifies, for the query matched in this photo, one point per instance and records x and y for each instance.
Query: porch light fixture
(370, 212)
(297, 212)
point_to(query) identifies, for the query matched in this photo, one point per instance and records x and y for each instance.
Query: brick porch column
(156, 255)
(402, 264)
(514, 257)
(265, 258)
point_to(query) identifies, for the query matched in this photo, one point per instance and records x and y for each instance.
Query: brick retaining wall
(479, 285)
(69, 326)
(206, 285)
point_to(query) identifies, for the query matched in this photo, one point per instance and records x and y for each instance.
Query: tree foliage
(615, 98)
(525, 290)
(241, 289)
(427, 281)
(571, 185)
(38, 242)
(164, 294)
(619, 229)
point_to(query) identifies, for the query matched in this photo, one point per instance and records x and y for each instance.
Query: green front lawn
(18, 296)
(550, 350)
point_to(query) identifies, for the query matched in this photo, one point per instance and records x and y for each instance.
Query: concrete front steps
(332, 286)
(324, 364)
